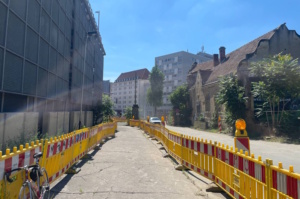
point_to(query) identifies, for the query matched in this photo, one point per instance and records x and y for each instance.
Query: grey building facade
(127, 88)
(106, 87)
(175, 67)
(48, 61)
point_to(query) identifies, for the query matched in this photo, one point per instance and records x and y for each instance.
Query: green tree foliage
(232, 96)
(128, 113)
(103, 111)
(180, 99)
(279, 83)
(155, 92)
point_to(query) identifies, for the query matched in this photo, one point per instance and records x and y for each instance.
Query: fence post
(215, 163)
(181, 148)
(269, 163)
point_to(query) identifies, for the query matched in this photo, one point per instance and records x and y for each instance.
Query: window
(176, 59)
(175, 82)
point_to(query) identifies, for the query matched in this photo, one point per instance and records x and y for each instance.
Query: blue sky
(134, 32)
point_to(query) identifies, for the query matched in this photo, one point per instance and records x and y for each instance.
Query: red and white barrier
(18, 160)
(60, 146)
(228, 189)
(286, 184)
(242, 143)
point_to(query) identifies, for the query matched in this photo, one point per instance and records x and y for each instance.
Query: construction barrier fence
(59, 154)
(238, 173)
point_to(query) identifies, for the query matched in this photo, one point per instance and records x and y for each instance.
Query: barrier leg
(73, 170)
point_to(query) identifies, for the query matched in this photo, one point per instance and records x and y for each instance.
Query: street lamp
(84, 60)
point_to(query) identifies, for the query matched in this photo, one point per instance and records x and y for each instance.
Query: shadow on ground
(64, 181)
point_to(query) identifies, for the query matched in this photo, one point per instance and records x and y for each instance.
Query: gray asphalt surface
(129, 166)
(288, 154)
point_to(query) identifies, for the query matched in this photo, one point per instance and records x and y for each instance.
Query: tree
(128, 113)
(180, 99)
(103, 111)
(233, 97)
(279, 83)
(155, 92)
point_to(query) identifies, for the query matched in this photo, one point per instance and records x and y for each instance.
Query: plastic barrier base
(166, 155)
(73, 170)
(87, 157)
(179, 167)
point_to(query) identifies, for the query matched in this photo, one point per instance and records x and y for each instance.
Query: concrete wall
(17, 126)
(86, 119)
(74, 120)
(89, 119)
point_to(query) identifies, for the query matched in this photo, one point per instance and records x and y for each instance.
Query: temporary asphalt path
(130, 166)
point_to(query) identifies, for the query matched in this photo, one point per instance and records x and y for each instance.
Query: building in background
(106, 87)
(175, 67)
(51, 65)
(203, 78)
(123, 92)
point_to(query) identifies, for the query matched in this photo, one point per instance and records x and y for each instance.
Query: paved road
(128, 166)
(288, 154)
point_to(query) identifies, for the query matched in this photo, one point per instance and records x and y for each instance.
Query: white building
(175, 67)
(123, 92)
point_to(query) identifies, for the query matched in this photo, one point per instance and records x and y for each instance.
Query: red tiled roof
(233, 59)
(141, 74)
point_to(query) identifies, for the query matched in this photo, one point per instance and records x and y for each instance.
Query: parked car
(155, 120)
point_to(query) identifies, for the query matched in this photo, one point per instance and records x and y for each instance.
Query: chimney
(216, 59)
(222, 54)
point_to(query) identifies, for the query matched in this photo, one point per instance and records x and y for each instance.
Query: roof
(233, 59)
(173, 54)
(140, 74)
